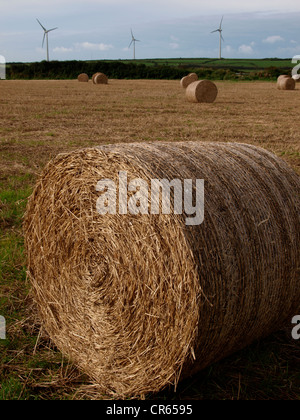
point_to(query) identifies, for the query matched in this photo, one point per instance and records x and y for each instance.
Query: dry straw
(286, 83)
(100, 79)
(93, 77)
(202, 91)
(187, 80)
(83, 77)
(283, 76)
(139, 302)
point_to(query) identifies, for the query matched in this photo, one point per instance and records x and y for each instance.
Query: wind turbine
(46, 31)
(133, 40)
(221, 37)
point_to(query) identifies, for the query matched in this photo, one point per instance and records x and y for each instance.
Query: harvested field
(40, 119)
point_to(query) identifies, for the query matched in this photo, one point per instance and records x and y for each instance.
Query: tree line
(121, 70)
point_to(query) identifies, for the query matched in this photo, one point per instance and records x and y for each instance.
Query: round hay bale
(140, 301)
(296, 77)
(202, 91)
(286, 83)
(94, 76)
(100, 79)
(283, 76)
(187, 80)
(83, 77)
(193, 76)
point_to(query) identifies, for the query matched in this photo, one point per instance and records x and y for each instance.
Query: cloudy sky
(100, 29)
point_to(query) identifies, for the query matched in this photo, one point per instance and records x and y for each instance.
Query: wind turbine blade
(138, 40)
(217, 30)
(41, 25)
(222, 38)
(130, 44)
(52, 29)
(221, 22)
(44, 39)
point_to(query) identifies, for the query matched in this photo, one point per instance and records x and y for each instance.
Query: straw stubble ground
(40, 119)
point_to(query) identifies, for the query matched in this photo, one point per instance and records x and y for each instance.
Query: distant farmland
(227, 63)
(175, 68)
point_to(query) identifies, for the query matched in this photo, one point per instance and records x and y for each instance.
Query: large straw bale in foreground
(202, 91)
(139, 301)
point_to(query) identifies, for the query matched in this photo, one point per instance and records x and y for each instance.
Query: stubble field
(40, 119)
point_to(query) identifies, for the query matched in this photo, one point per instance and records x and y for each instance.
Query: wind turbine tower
(133, 41)
(46, 31)
(221, 36)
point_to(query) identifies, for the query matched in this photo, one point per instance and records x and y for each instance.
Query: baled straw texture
(202, 91)
(100, 79)
(94, 76)
(282, 76)
(83, 77)
(139, 301)
(286, 83)
(187, 80)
